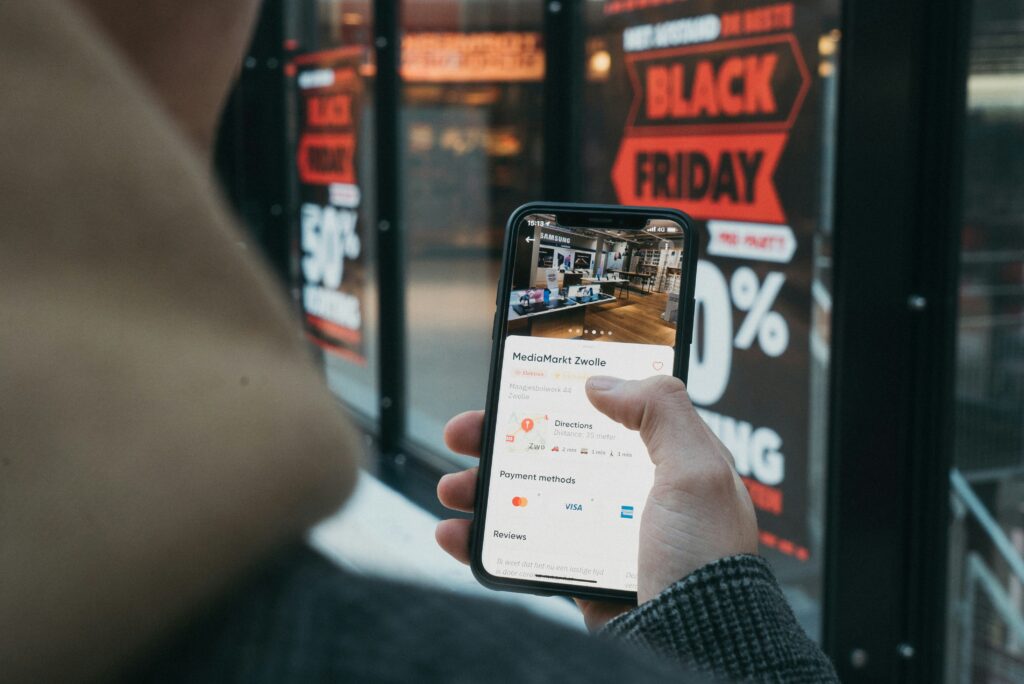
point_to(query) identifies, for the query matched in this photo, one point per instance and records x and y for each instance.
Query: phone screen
(567, 485)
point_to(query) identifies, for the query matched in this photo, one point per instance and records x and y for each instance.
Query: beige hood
(161, 425)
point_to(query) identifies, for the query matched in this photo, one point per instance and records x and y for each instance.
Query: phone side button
(494, 324)
(689, 319)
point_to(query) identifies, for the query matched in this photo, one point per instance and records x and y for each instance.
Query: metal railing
(972, 578)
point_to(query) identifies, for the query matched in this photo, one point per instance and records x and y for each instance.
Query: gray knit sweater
(301, 619)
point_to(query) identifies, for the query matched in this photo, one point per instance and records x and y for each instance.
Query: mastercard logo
(519, 501)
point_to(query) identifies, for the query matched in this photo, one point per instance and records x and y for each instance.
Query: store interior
(598, 284)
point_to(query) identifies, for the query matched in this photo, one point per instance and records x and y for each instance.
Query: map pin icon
(527, 424)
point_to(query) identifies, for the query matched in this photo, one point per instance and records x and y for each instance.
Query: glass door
(985, 635)
(472, 78)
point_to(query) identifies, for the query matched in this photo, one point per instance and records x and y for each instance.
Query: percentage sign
(756, 298)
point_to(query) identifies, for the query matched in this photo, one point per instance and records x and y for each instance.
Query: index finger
(464, 432)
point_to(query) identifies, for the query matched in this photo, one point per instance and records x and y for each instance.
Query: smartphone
(584, 290)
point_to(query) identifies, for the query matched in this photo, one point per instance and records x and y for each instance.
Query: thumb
(658, 407)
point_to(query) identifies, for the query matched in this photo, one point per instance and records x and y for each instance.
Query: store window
(723, 109)
(330, 79)
(986, 563)
(726, 110)
(472, 81)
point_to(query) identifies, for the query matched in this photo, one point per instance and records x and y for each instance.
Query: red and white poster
(716, 108)
(709, 122)
(328, 90)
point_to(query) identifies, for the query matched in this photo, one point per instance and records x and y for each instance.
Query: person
(168, 441)
(706, 604)
(698, 511)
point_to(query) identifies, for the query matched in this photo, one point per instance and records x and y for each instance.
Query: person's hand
(698, 510)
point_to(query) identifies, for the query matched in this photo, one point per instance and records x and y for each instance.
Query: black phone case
(684, 336)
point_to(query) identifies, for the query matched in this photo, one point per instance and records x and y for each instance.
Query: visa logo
(573, 507)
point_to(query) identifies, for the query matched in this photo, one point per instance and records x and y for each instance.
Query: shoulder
(300, 618)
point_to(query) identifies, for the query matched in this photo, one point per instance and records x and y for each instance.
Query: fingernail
(603, 383)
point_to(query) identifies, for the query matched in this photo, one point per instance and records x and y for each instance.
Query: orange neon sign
(472, 57)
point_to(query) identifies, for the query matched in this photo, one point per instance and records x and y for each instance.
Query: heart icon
(658, 365)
